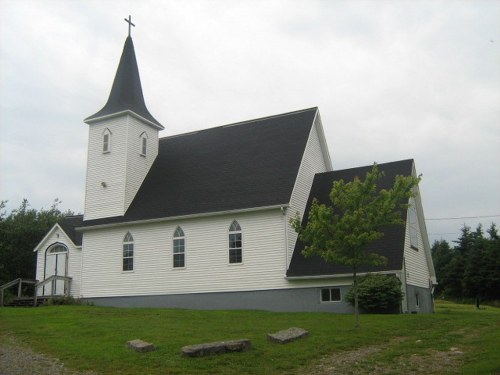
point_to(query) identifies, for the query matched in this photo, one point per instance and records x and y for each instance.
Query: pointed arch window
(179, 260)
(235, 243)
(128, 252)
(413, 225)
(106, 141)
(144, 144)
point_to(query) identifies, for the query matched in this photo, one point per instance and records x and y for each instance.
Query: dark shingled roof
(126, 93)
(391, 245)
(244, 165)
(68, 225)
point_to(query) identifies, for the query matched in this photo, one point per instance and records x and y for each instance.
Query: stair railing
(67, 285)
(19, 281)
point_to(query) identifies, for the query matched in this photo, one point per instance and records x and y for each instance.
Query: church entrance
(56, 264)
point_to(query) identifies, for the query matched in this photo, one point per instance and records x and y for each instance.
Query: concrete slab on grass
(140, 346)
(287, 335)
(201, 350)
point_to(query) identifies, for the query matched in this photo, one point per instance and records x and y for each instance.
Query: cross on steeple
(129, 21)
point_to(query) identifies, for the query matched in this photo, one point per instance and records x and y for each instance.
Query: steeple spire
(126, 92)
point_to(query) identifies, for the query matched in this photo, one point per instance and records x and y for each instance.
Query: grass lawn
(94, 338)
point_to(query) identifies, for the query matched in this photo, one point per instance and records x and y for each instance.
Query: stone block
(201, 350)
(287, 335)
(140, 346)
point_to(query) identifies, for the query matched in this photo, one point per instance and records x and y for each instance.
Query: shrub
(378, 294)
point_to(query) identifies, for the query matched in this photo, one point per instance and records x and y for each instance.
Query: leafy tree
(20, 232)
(378, 293)
(340, 232)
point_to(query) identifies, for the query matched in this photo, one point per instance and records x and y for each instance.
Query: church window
(413, 225)
(144, 144)
(179, 248)
(57, 249)
(128, 252)
(106, 141)
(235, 243)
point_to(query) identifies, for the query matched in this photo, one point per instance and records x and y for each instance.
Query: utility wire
(462, 217)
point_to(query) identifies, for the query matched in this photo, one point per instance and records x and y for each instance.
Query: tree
(472, 268)
(20, 232)
(442, 255)
(340, 232)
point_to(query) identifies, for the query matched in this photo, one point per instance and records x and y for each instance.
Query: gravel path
(18, 360)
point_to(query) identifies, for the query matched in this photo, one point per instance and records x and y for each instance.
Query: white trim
(50, 232)
(125, 112)
(322, 141)
(181, 217)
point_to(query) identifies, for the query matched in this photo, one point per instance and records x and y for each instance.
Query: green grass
(94, 338)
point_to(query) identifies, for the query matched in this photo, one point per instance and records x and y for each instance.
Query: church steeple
(123, 143)
(126, 92)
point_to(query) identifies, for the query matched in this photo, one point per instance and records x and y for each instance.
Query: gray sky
(392, 79)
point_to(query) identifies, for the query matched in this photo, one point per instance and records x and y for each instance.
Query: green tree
(20, 232)
(340, 232)
(378, 293)
(442, 254)
(472, 268)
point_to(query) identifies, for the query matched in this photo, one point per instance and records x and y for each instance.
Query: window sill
(414, 247)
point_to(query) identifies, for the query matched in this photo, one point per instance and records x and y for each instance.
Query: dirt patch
(363, 361)
(16, 359)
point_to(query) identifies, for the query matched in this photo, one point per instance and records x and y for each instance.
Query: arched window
(235, 243)
(106, 141)
(128, 252)
(179, 248)
(413, 225)
(144, 143)
(57, 249)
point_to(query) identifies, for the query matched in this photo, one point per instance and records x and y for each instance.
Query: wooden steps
(27, 302)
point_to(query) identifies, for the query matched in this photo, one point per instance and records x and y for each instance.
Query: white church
(201, 220)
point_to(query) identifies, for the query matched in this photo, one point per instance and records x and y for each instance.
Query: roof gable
(68, 225)
(391, 245)
(238, 166)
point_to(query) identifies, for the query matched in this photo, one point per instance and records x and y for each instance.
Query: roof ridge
(239, 123)
(368, 165)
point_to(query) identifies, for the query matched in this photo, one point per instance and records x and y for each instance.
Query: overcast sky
(392, 79)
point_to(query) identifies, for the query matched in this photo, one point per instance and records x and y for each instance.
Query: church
(201, 220)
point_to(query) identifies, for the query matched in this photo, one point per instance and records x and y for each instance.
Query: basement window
(330, 295)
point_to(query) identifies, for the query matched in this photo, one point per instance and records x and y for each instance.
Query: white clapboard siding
(315, 160)
(207, 266)
(113, 178)
(138, 165)
(417, 269)
(57, 235)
